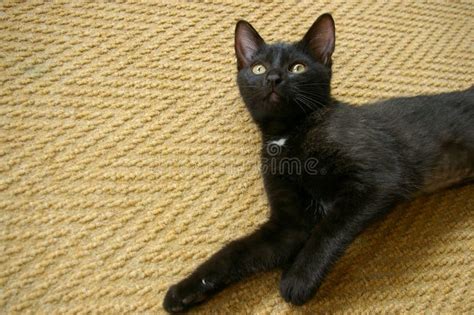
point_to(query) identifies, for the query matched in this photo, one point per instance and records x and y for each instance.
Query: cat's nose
(274, 78)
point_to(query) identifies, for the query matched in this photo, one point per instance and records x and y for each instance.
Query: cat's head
(285, 81)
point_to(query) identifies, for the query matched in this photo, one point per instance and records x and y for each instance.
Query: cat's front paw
(182, 296)
(296, 289)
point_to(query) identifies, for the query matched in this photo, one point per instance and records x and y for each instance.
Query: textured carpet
(127, 157)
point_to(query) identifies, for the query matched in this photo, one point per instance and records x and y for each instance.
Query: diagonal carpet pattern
(127, 157)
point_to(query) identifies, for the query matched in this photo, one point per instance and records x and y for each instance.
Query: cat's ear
(247, 42)
(320, 39)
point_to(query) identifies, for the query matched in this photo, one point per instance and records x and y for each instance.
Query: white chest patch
(280, 142)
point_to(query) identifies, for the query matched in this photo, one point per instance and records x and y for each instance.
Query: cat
(366, 159)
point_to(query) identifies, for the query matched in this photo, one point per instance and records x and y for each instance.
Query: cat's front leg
(326, 244)
(272, 245)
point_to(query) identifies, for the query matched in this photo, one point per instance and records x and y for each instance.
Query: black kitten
(329, 169)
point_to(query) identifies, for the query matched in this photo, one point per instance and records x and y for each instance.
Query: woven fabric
(127, 157)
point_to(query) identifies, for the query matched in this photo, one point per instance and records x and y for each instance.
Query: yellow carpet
(127, 156)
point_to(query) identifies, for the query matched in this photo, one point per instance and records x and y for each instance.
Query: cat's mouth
(273, 96)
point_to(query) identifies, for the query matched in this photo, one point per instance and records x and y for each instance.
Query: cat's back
(431, 136)
(439, 115)
(429, 125)
(437, 132)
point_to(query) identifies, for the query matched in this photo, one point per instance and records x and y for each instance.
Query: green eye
(298, 68)
(259, 69)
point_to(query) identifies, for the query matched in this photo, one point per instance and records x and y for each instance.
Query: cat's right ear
(247, 43)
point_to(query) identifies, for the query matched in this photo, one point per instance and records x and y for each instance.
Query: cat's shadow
(412, 257)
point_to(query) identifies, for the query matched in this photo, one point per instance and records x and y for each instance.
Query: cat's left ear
(247, 43)
(320, 39)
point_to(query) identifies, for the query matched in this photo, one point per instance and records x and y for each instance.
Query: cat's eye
(259, 69)
(297, 68)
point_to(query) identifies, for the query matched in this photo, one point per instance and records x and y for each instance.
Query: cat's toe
(173, 302)
(295, 290)
(182, 296)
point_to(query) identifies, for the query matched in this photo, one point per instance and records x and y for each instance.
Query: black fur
(364, 161)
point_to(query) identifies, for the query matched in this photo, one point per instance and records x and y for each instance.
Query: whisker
(299, 105)
(307, 102)
(303, 105)
(314, 97)
(312, 84)
(311, 101)
(249, 86)
(308, 92)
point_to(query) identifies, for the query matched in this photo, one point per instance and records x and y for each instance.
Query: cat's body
(409, 145)
(434, 133)
(329, 168)
(377, 146)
